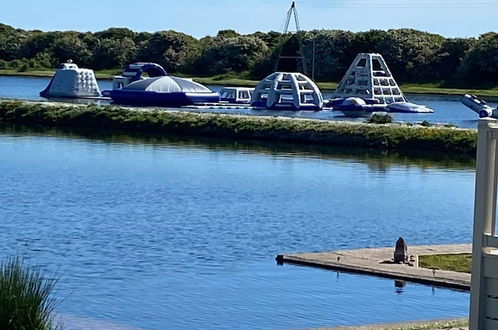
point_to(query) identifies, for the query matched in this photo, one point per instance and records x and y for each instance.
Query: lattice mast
(290, 13)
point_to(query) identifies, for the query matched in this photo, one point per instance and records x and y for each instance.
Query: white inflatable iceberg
(71, 81)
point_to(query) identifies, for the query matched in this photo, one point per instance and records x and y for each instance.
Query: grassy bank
(232, 81)
(453, 262)
(275, 129)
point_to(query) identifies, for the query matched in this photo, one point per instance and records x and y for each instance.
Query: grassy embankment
(453, 262)
(274, 129)
(229, 80)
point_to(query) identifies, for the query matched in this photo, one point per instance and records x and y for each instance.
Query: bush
(425, 123)
(380, 118)
(25, 297)
(23, 68)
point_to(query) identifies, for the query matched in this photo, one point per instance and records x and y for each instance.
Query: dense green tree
(11, 41)
(481, 64)
(413, 56)
(115, 33)
(410, 53)
(232, 54)
(113, 53)
(333, 53)
(449, 58)
(174, 50)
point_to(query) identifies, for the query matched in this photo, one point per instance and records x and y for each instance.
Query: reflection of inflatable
(479, 106)
(159, 89)
(287, 91)
(236, 95)
(71, 81)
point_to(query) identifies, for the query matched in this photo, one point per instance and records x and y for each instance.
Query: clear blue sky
(451, 18)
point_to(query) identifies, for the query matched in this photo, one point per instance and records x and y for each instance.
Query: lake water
(447, 109)
(160, 233)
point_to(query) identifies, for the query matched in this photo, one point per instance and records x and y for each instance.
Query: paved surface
(376, 262)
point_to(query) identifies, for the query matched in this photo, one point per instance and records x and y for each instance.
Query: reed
(25, 297)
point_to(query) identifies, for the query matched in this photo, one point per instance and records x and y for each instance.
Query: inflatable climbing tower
(287, 91)
(368, 77)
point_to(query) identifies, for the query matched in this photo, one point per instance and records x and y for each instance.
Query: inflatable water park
(368, 86)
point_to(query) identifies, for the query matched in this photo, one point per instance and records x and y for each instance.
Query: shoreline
(410, 88)
(448, 324)
(396, 136)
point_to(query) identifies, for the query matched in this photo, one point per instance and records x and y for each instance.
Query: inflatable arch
(133, 72)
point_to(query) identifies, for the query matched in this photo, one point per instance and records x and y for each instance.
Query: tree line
(413, 56)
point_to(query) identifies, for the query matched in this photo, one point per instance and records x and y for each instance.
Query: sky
(450, 18)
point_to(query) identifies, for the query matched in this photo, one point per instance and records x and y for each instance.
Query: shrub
(25, 297)
(425, 123)
(23, 68)
(380, 118)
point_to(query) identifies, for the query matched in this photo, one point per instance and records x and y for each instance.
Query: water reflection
(400, 286)
(378, 160)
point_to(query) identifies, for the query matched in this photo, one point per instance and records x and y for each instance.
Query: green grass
(453, 262)
(274, 129)
(25, 297)
(436, 89)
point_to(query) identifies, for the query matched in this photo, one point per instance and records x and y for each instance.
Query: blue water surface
(160, 233)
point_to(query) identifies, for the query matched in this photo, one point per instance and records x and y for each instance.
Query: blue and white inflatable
(159, 89)
(479, 106)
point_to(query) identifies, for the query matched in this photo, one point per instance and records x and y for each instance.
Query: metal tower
(291, 11)
(299, 55)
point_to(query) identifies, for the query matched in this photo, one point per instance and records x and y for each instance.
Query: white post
(484, 219)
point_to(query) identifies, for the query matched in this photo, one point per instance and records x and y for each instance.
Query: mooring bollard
(401, 251)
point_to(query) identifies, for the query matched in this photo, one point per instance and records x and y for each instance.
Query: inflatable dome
(163, 91)
(158, 89)
(287, 91)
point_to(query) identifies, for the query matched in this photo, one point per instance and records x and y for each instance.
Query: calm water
(447, 109)
(162, 233)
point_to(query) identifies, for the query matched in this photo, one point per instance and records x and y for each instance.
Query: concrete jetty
(377, 262)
